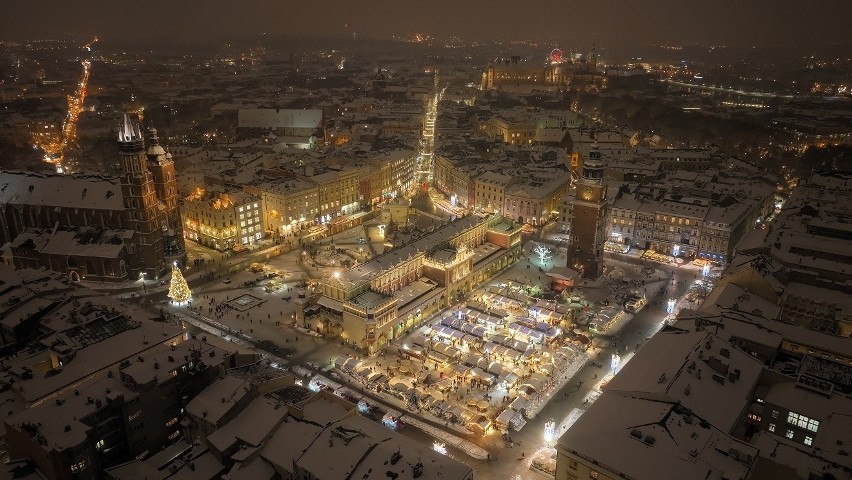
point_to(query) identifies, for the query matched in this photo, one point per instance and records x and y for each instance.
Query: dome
(156, 150)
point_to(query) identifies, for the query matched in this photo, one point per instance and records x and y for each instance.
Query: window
(813, 425)
(174, 435)
(593, 474)
(809, 441)
(99, 444)
(802, 421)
(572, 464)
(789, 433)
(772, 427)
(774, 413)
(134, 415)
(78, 467)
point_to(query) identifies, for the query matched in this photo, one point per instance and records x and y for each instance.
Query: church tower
(140, 204)
(588, 220)
(593, 59)
(162, 170)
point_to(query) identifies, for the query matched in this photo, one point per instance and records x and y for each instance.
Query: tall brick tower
(162, 169)
(140, 204)
(588, 222)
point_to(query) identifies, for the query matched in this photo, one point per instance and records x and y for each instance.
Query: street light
(142, 276)
(439, 447)
(615, 363)
(549, 433)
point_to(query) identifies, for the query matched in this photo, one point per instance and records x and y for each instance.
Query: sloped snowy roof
(95, 192)
(644, 438)
(698, 369)
(278, 118)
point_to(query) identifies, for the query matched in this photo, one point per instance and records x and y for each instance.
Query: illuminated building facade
(558, 71)
(223, 220)
(377, 301)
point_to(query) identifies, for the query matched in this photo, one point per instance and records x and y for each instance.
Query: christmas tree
(178, 288)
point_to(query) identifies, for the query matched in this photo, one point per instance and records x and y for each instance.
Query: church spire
(130, 135)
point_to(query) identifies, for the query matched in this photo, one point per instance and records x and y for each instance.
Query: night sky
(732, 22)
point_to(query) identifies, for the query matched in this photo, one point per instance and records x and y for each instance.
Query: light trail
(427, 139)
(54, 148)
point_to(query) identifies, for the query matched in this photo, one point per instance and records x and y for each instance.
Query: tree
(543, 252)
(178, 288)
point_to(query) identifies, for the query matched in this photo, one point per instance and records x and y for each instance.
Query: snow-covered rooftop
(697, 369)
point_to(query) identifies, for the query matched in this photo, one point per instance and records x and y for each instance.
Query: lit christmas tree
(178, 288)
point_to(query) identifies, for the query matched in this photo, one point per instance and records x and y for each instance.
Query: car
(226, 281)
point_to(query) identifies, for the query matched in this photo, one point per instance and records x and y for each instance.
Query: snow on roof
(85, 397)
(795, 334)
(26, 307)
(564, 273)
(646, 438)
(804, 462)
(252, 426)
(370, 299)
(97, 192)
(414, 291)
(98, 344)
(327, 440)
(553, 135)
(367, 270)
(158, 362)
(359, 446)
(682, 209)
(51, 420)
(278, 118)
(219, 398)
(841, 300)
(289, 442)
(731, 296)
(86, 242)
(698, 369)
(203, 467)
(732, 327)
(324, 408)
(252, 470)
(808, 403)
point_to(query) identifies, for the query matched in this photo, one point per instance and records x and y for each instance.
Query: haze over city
(539, 240)
(608, 22)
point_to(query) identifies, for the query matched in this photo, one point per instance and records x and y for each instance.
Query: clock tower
(588, 217)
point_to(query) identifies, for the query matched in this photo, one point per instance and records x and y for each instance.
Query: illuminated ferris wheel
(556, 55)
